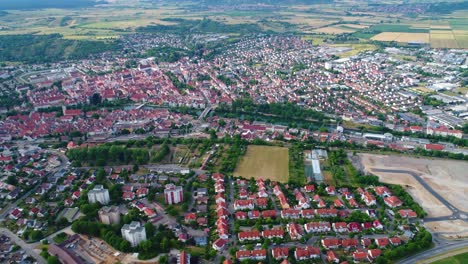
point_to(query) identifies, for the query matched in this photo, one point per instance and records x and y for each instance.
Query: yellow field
(443, 39)
(334, 30)
(402, 37)
(265, 162)
(462, 41)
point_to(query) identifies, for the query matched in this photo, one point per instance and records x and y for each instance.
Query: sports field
(265, 162)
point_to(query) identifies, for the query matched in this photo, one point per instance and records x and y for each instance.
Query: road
(437, 250)
(29, 249)
(456, 213)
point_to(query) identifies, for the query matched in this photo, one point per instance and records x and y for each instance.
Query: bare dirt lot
(452, 229)
(447, 177)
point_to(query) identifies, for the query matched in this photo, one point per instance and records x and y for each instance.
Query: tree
(12, 180)
(146, 245)
(36, 235)
(53, 260)
(95, 99)
(163, 260)
(150, 229)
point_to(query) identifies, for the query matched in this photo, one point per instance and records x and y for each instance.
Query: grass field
(265, 162)
(357, 48)
(457, 259)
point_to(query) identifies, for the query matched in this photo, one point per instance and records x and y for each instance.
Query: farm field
(335, 30)
(265, 162)
(402, 37)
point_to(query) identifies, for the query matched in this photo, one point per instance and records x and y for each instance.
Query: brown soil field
(447, 177)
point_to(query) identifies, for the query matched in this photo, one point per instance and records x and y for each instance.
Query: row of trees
(108, 155)
(285, 110)
(159, 155)
(236, 150)
(296, 165)
(422, 241)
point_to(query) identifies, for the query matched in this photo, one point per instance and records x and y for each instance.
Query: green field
(398, 28)
(265, 162)
(457, 259)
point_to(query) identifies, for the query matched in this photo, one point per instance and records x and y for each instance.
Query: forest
(30, 48)
(205, 25)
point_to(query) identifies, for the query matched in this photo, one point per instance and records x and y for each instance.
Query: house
(243, 254)
(68, 202)
(256, 254)
(377, 225)
(393, 201)
(354, 227)
(259, 254)
(201, 240)
(331, 190)
(309, 188)
(290, 214)
(128, 196)
(325, 212)
(254, 214)
(190, 217)
(219, 244)
(142, 192)
(382, 242)
(359, 256)
(340, 227)
(373, 254)
(382, 191)
(331, 243)
(262, 202)
(338, 203)
(353, 203)
(332, 257)
(248, 236)
(76, 195)
(366, 242)
(240, 215)
(273, 233)
(308, 213)
(307, 252)
(395, 241)
(202, 221)
(407, 213)
(369, 199)
(269, 214)
(244, 205)
(366, 225)
(348, 243)
(15, 214)
(317, 227)
(295, 231)
(280, 253)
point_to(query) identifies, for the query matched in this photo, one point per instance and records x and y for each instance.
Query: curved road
(456, 213)
(441, 245)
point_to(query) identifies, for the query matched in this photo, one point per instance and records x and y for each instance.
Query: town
(125, 159)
